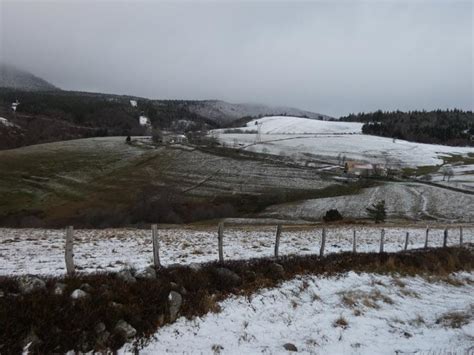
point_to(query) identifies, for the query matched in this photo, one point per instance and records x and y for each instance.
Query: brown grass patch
(409, 293)
(397, 282)
(446, 279)
(340, 322)
(352, 299)
(455, 319)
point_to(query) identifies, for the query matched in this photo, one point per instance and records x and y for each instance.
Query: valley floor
(348, 314)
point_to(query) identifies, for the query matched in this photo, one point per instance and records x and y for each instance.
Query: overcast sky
(331, 57)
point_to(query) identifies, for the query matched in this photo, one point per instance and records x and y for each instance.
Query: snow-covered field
(377, 315)
(41, 251)
(407, 200)
(305, 138)
(463, 177)
(298, 125)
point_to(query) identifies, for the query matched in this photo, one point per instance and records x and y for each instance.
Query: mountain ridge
(225, 112)
(15, 78)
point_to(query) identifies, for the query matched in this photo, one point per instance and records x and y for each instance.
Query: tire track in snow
(423, 201)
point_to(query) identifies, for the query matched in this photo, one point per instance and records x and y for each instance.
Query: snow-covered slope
(222, 111)
(303, 139)
(299, 125)
(411, 201)
(347, 314)
(11, 77)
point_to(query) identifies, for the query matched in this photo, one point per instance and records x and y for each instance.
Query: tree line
(449, 127)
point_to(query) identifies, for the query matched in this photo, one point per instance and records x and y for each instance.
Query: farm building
(144, 121)
(15, 105)
(363, 169)
(174, 138)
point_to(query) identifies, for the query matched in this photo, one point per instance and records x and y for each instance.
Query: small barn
(144, 121)
(174, 138)
(363, 169)
(15, 105)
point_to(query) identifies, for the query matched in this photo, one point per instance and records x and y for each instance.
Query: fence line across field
(69, 245)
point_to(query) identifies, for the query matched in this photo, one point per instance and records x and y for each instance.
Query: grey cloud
(333, 57)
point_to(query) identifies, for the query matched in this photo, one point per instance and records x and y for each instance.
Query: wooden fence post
(69, 255)
(406, 240)
(426, 237)
(156, 246)
(460, 236)
(445, 239)
(382, 237)
(220, 239)
(277, 240)
(354, 242)
(323, 243)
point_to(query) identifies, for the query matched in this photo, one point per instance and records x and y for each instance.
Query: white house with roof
(144, 121)
(15, 105)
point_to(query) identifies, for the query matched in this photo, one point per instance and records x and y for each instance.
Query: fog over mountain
(12, 77)
(332, 57)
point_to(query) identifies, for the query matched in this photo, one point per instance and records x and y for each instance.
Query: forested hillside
(60, 115)
(450, 127)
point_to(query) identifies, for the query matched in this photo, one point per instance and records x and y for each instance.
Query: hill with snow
(12, 77)
(299, 125)
(223, 112)
(305, 139)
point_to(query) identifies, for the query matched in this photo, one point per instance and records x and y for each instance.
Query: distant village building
(144, 121)
(174, 138)
(15, 105)
(364, 169)
(133, 103)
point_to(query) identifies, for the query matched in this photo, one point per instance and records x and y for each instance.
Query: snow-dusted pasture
(304, 138)
(390, 315)
(298, 125)
(463, 177)
(407, 200)
(41, 251)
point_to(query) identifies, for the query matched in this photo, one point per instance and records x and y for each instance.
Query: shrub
(377, 212)
(332, 215)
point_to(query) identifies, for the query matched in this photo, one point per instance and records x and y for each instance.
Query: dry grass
(349, 299)
(217, 349)
(353, 299)
(446, 279)
(409, 293)
(340, 322)
(456, 319)
(397, 282)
